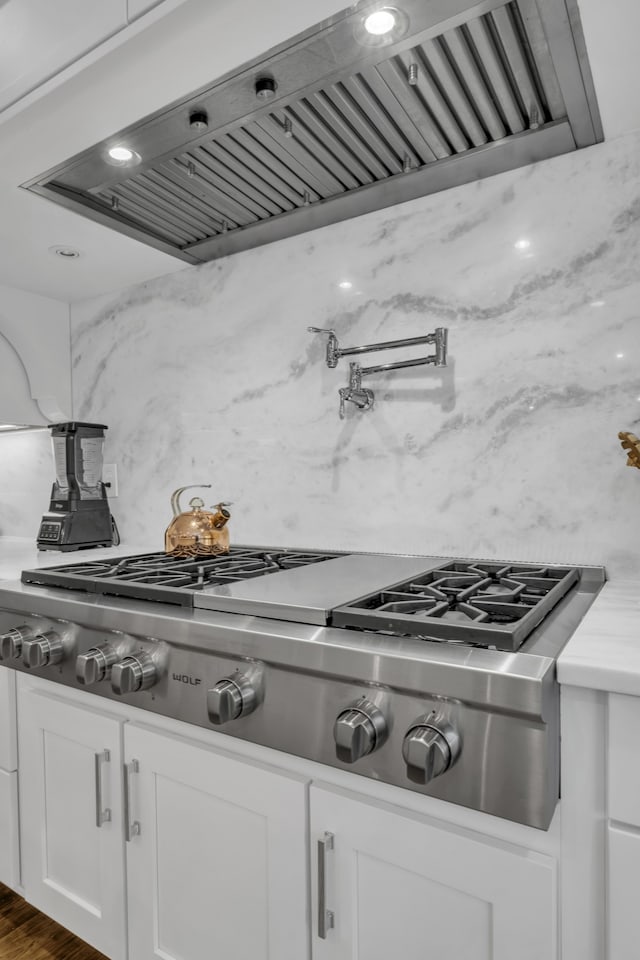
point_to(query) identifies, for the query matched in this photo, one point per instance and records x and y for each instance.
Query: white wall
(512, 452)
(35, 388)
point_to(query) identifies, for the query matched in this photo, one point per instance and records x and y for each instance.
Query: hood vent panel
(392, 126)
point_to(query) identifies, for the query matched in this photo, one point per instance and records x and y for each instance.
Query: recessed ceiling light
(382, 26)
(345, 284)
(66, 253)
(380, 22)
(619, 356)
(522, 244)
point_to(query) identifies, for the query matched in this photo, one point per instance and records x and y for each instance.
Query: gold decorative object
(631, 444)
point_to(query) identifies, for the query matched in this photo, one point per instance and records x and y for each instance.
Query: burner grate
(158, 576)
(487, 604)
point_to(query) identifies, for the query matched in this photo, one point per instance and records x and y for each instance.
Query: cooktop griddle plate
(310, 594)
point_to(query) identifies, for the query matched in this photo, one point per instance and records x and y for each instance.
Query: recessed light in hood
(380, 22)
(325, 127)
(122, 156)
(382, 26)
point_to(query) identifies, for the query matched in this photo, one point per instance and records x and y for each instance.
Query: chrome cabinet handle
(326, 918)
(102, 816)
(131, 829)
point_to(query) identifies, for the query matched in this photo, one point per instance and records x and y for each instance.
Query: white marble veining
(604, 652)
(210, 375)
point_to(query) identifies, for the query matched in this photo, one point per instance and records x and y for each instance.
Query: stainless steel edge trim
(571, 66)
(585, 67)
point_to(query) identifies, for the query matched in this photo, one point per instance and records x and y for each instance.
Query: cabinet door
(8, 745)
(9, 847)
(217, 861)
(624, 872)
(399, 885)
(70, 771)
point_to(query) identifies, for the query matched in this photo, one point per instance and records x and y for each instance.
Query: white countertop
(21, 553)
(604, 652)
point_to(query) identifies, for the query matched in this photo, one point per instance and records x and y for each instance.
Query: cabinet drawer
(624, 759)
(624, 879)
(8, 748)
(9, 845)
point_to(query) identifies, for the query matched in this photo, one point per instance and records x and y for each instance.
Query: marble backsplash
(511, 451)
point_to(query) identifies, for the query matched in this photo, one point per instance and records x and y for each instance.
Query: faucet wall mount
(357, 394)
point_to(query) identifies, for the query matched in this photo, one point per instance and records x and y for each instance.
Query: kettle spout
(221, 515)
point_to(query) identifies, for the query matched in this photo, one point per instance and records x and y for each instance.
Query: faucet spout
(363, 399)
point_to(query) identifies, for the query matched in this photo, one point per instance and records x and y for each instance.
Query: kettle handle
(175, 496)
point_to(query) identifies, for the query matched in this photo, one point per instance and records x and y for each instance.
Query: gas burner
(486, 604)
(158, 576)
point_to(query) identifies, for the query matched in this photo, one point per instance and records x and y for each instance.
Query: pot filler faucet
(357, 394)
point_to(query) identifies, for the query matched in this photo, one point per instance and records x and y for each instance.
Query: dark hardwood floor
(26, 934)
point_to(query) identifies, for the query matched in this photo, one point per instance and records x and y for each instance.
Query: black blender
(79, 515)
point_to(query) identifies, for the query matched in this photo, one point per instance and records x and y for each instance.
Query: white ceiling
(184, 50)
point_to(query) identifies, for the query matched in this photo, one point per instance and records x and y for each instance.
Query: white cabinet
(219, 865)
(215, 847)
(400, 885)
(624, 768)
(601, 825)
(623, 843)
(8, 742)
(71, 818)
(624, 880)
(9, 842)
(222, 853)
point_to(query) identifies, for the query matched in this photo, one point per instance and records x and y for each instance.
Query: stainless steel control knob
(133, 674)
(42, 650)
(95, 665)
(430, 748)
(359, 730)
(231, 698)
(11, 642)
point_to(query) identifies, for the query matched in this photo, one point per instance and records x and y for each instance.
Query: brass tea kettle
(197, 532)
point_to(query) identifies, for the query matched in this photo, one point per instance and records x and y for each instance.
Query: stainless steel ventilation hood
(329, 126)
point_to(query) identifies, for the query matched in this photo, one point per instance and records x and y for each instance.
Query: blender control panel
(50, 530)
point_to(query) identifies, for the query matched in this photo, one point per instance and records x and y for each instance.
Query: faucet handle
(441, 336)
(344, 395)
(333, 351)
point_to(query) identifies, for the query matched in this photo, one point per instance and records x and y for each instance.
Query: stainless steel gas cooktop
(482, 603)
(433, 674)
